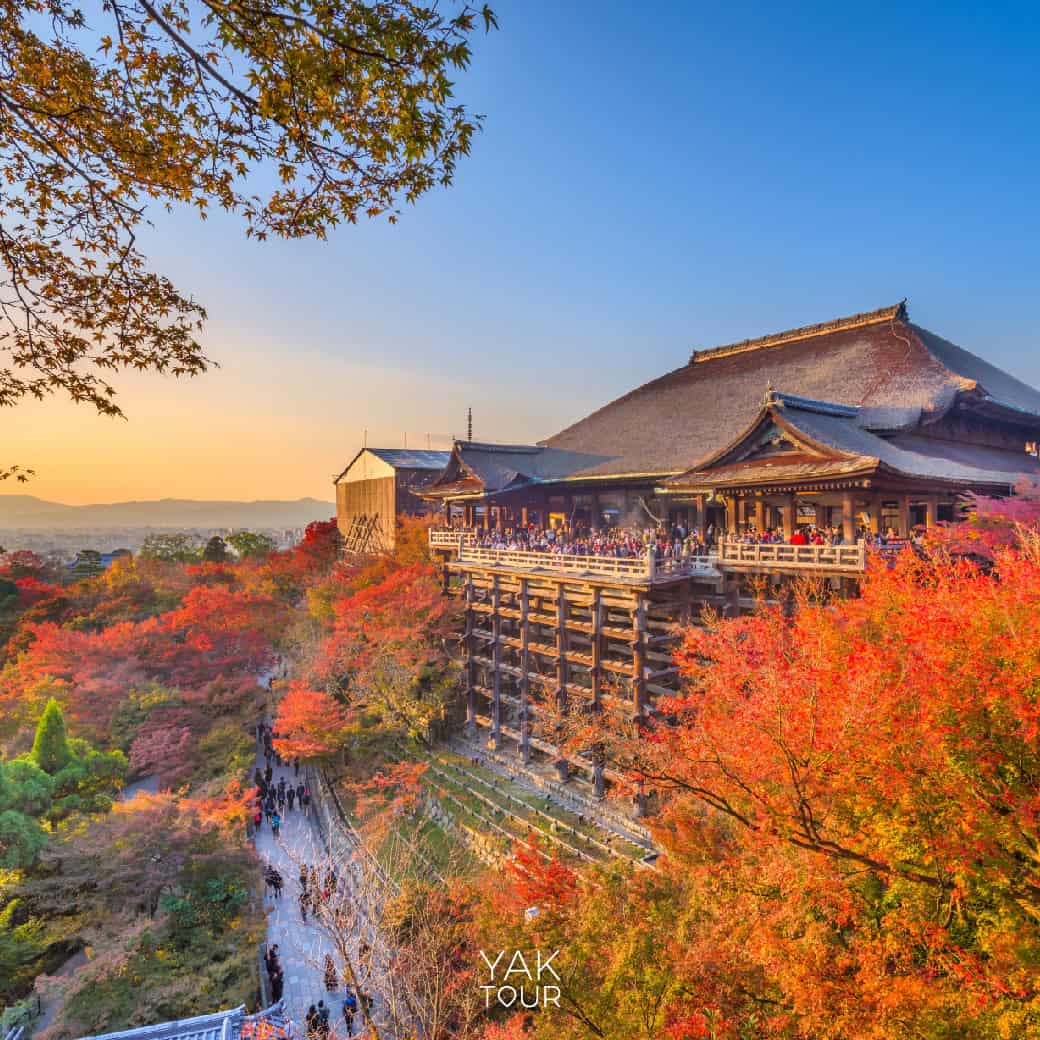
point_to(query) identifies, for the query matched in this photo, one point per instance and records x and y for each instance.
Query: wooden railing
(624, 568)
(785, 556)
(450, 538)
(768, 556)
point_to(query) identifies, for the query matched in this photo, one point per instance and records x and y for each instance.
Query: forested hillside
(846, 801)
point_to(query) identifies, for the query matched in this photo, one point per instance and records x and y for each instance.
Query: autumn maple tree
(390, 649)
(294, 116)
(311, 724)
(848, 804)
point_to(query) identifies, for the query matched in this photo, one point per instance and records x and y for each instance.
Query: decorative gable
(766, 440)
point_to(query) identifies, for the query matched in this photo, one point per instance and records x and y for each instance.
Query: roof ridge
(897, 312)
(520, 449)
(780, 399)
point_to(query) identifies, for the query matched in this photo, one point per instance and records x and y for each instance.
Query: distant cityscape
(60, 532)
(61, 546)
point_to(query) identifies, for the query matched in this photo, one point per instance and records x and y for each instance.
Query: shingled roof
(897, 374)
(401, 458)
(795, 441)
(492, 468)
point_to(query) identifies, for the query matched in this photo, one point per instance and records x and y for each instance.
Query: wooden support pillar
(561, 645)
(821, 516)
(496, 656)
(789, 516)
(931, 510)
(874, 514)
(848, 518)
(525, 669)
(702, 515)
(639, 655)
(597, 646)
(523, 516)
(487, 516)
(561, 665)
(731, 514)
(731, 594)
(904, 515)
(471, 664)
(596, 513)
(685, 603)
(760, 514)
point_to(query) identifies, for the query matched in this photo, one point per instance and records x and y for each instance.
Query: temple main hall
(801, 453)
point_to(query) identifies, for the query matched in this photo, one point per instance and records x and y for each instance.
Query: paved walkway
(302, 947)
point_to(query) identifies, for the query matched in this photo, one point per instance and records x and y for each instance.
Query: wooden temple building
(379, 485)
(867, 425)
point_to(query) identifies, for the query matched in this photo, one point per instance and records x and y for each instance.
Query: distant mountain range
(28, 511)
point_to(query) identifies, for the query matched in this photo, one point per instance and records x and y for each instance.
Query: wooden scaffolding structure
(538, 642)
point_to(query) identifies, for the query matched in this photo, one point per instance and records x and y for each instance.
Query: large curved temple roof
(901, 377)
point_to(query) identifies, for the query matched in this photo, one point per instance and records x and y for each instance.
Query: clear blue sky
(651, 178)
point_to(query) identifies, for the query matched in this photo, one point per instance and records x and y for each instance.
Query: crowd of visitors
(810, 534)
(674, 541)
(320, 889)
(617, 542)
(273, 800)
(801, 536)
(316, 889)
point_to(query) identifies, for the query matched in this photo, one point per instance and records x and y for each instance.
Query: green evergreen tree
(50, 750)
(250, 544)
(215, 551)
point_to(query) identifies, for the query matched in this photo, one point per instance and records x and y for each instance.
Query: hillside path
(302, 947)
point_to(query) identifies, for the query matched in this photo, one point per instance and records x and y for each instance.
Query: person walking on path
(331, 975)
(323, 1020)
(349, 1011)
(276, 823)
(304, 902)
(311, 1022)
(277, 984)
(305, 801)
(290, 796)
(274, 881)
